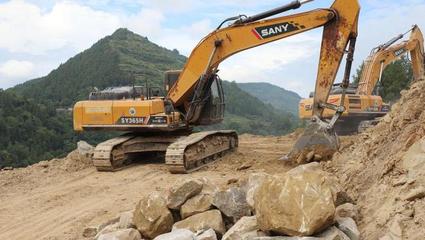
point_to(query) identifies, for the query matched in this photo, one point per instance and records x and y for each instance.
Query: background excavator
(363, 104)
(163, 124)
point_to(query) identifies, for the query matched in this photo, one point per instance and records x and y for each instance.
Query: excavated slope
(386, 165)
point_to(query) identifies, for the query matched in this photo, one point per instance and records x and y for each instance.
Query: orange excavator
(363, 104)
(164, 124)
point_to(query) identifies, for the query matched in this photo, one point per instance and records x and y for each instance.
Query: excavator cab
(170, 78)
(212, 110)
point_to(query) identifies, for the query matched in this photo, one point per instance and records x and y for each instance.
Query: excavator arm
(386, 54)
(340, 26)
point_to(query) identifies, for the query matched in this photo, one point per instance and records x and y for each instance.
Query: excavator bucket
(319, 140)
(317, 143)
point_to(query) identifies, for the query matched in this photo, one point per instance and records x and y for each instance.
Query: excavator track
(108, 156)
(114, 154)
(183, 153)
(198, 149)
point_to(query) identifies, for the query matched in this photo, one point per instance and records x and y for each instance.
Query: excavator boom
(340, 25)
(385, 55)
(223, 43)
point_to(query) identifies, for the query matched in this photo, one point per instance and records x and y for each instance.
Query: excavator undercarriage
(183, 152)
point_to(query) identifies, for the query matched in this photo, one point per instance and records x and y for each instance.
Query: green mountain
(32, 129)
(248, 114)
(116, 60)
(279, 98)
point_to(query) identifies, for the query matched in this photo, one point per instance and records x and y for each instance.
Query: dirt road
(51, 200)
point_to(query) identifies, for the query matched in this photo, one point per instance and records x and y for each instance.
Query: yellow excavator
(364, 105)
(163, 124)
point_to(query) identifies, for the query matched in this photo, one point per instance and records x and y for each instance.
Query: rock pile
(298, 204)
(80, 158)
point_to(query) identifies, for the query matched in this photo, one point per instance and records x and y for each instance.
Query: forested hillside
(247, 114)
(396, 77)
(32, 130)
(280, 98)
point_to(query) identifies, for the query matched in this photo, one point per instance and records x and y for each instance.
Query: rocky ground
(383, 170)
(58, 199)
(376, 181)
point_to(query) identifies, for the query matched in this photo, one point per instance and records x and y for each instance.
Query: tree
(356, 77)
(396, 77)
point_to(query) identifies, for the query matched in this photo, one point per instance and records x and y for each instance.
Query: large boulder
(253, 182)
(152, 217)
(102, 230)
(347, 210)
(124, 234)
(285, 238)
(203, 221)
(180, 193)
(85, 150)
(206, 235)
(208, 186)
(122, 221)
(331, 233)
(197, 204)
(232, 203)
(126, 220)
(109, 222)
(349, 227)
(299, 203)
(177, 234)
(246, 227)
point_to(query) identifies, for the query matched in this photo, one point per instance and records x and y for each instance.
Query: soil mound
(383, 170)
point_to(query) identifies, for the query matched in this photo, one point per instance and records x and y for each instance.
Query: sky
(37, 36)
